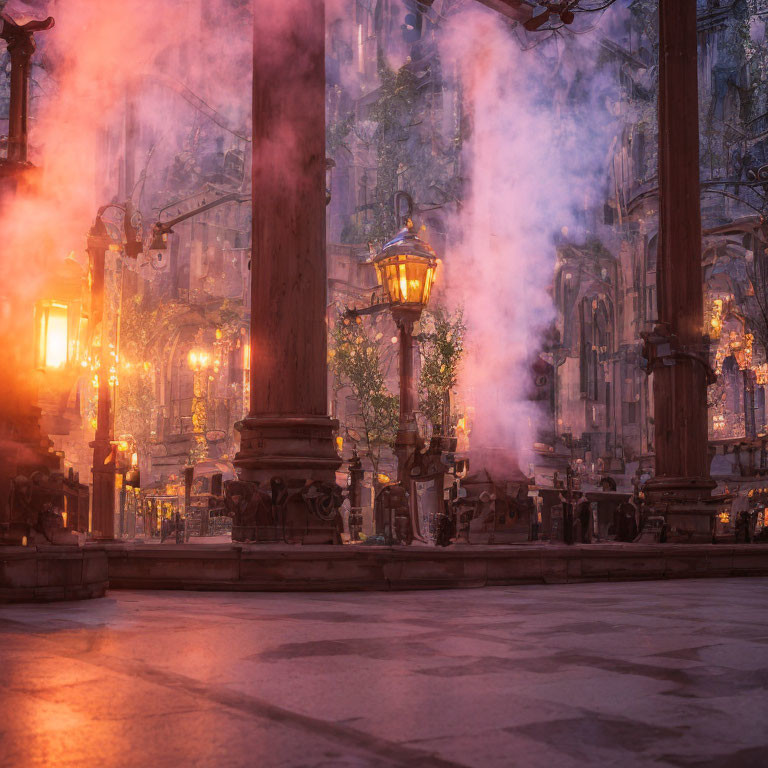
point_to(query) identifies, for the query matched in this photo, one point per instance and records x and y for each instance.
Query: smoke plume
(535, 159)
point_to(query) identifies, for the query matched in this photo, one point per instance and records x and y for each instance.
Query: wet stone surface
(625, 674)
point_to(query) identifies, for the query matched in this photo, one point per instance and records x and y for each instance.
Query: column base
(407, 442)
(287, 489)
(686, 505)
(293, 447)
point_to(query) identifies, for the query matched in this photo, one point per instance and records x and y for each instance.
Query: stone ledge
(45, 574)
(280, 568)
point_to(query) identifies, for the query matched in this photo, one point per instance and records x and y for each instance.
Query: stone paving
(611, 674)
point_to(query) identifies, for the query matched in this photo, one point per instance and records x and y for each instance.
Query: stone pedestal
(686, 506)
(50, 573)
(287, 458)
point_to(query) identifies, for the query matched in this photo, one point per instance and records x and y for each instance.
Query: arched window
(182, 395)
(587, 351)
(596, 341)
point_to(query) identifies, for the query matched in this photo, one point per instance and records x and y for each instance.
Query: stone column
(23, 446)
(677, 355)
(103, 520)
(288, 432)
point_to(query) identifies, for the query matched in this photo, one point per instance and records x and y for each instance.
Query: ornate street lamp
(199, 361)
(98, 243)
(59, 319)
(53, 348)
(60, 333)
(405, 268)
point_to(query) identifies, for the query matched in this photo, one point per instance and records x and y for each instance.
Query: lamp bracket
(403, 218)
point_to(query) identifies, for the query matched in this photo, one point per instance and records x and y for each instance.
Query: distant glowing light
(198, 360)
(53, 336)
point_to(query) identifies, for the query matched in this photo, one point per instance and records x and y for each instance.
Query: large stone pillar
(676, 351)
(288, 433)
(24, 448)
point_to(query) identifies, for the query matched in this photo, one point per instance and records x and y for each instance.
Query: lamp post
(59, 336)
(126, 464)
(199, 361)
(405, 268)
(103, 523)
(99, 242)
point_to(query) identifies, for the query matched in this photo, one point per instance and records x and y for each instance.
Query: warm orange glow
(407, 279)
(428, 282)
(53, 336)
(404, 283)
(198, 359)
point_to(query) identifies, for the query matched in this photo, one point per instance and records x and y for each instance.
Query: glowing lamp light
(198, 359)
(53, 335)
(405, 268)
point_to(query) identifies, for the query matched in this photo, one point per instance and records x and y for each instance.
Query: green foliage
(135, 399)
(336, 133)
(404, 130)
(441, 343)
(230, 318)
(355, 359)
(394, 113)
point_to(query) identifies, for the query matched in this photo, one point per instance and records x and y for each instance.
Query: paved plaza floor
(626, 674)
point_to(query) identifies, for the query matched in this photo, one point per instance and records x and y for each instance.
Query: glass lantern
(405, 268)
(53, 347)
